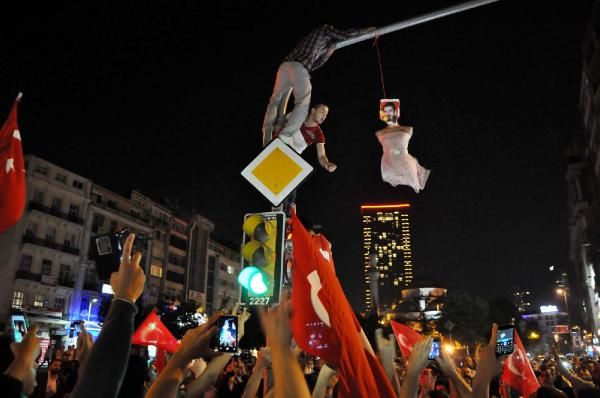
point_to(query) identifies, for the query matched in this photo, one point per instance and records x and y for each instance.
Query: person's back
(135, 377)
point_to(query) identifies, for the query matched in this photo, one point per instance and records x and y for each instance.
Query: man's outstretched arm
(323, 160)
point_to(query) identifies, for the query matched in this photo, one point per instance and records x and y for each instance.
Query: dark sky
(169, 99)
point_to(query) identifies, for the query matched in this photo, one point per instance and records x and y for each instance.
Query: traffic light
(262, 258)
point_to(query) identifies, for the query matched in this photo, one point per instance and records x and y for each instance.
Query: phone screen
(435, 349)
(505, 340)
(227, 334)
(20, 327)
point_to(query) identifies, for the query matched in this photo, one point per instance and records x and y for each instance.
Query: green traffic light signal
(254, 280)
(262, 258)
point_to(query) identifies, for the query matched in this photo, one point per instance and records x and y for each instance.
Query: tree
(469, 315)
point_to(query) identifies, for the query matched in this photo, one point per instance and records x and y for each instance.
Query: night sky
(169, 99)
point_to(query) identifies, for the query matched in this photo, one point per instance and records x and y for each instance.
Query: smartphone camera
(435, 349)
(19, 324)
(226, 339)
(505, 341)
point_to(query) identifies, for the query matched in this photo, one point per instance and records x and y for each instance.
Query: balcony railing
(48, 280)
(49, 244)
(55, 212)
(23, 274)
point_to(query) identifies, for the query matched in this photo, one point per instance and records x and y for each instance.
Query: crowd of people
(112, 367)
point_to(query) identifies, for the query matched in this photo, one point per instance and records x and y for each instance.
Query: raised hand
(276, 325)
(128, 281)
(23, 366)
(84, 345)
(419, 357)
(196, 342)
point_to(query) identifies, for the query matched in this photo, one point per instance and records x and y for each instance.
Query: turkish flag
(517, 372)
(12, 171)
(406, 337)
(153, 332)
(323, 323)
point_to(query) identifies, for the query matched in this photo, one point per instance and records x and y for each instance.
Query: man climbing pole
(293, 75)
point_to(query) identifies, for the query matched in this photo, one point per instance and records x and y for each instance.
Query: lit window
(38, 300)
(156, 270)
(230, 270)
(18, 298)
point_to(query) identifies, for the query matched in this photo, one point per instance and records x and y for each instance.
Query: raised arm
(289, 379)
(488, 367)
(195, 344)
(110, 354)
(463, 390)
(417, 362)
(263, 361)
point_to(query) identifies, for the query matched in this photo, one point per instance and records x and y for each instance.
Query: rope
(376, 44)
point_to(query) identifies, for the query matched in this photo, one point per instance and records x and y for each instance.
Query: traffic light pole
(415, 21)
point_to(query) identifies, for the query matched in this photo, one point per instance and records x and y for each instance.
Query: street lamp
(92, 301)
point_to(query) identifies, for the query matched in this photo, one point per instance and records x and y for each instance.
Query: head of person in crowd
(318, 364)
(545, 378)
(309, 366)
(55, 367)
(468, 362)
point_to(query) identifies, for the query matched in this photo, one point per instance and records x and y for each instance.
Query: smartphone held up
(505, 340)
(435, 349)
(226, 339)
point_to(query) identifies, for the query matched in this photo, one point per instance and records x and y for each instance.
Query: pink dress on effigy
(398, 167)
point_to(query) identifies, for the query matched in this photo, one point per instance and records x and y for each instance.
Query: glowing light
(391, 206)
(533, 336)
(448, 348)
(546, 309)
(257, 284)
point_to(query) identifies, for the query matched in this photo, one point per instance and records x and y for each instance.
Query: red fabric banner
(517, 372)
(12, 172)
(406, 337)
(153, 332)
(323, 322)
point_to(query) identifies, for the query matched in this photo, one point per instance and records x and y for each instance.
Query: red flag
(323, 322)
(406, 337)
(518, 373)
(153, 332)
(12, 171)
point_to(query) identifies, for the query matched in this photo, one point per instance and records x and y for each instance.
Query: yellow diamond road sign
(277, 171)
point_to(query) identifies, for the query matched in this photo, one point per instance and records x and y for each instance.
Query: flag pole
(415, 21)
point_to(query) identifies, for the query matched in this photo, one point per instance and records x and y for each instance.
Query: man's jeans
(289, 75)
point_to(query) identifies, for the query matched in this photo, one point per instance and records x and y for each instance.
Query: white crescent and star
(10, 162)
(315, 286)
(10, 165)
(403, 343)
(513, 367)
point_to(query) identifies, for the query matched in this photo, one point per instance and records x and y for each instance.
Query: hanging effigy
(398, 167)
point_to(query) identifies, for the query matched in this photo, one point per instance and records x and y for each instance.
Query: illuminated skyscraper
(386, 233)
